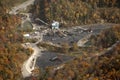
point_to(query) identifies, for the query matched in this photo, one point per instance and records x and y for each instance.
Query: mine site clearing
(73, 35)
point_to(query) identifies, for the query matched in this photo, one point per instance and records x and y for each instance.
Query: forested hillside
(77, 12)
(12, 54)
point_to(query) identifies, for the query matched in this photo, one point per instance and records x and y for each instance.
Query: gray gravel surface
(44, 60)
(75, 34)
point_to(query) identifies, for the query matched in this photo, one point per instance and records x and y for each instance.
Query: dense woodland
(12, 54)
(78, 12)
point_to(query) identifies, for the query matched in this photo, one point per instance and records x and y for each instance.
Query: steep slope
(78, 12)
(12, 54)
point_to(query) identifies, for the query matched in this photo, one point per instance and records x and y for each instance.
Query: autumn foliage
(78, 12)
(107, 37)
(12, 54)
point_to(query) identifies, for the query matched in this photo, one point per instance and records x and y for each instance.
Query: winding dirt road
(29, 65)
(21, 6)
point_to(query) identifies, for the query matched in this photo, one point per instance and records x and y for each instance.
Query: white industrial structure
(55, 25)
